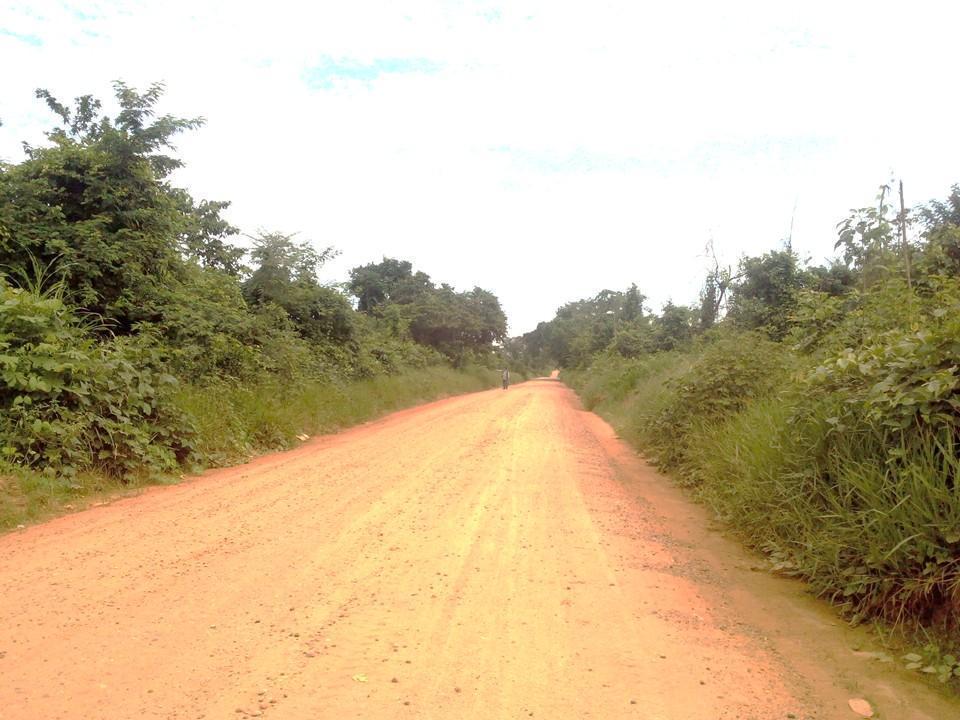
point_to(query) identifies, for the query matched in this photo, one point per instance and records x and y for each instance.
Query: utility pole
(792, 216)
(905, 248)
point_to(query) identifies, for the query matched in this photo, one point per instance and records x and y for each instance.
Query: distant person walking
(505, 376)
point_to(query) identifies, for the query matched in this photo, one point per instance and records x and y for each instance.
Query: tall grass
(233, 421)
(879, 537)
(873, 528)
(628, 392)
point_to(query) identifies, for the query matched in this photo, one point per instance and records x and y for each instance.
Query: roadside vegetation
(141, 336)
(815, 409)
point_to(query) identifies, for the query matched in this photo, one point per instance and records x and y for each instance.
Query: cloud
(543, 150)
(22, 37)
(328, 71)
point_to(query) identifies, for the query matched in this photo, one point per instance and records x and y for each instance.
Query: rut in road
(480, 557)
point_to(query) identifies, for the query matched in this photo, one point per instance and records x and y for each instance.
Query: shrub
(723, 378)
(71, 403)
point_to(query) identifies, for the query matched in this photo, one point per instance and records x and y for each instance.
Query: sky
(541, 149)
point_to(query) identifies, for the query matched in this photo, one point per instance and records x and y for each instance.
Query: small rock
(861, 707)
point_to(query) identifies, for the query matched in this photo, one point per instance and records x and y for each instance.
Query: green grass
(628, 392)
(877, 537)
(234, 423)
(28, 497)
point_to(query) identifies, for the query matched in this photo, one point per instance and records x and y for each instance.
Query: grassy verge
(876, 533)
(234, 423)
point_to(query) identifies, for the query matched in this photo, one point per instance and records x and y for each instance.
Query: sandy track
(496, 555)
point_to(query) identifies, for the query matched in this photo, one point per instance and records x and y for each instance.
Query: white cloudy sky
(541, 149)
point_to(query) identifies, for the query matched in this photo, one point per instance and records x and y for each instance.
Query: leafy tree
(389, 281)
(868, 241)
(834, 279)
(711, 297)
(633, 340)
(675, 327)
(286, 276)
(205, 235)
(96, 202)
(632, 307)
(941, 220)
(461, 325)
(489, 323)
(583, 328)
(764, 295)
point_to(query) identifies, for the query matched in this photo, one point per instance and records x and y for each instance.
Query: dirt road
(496, 555)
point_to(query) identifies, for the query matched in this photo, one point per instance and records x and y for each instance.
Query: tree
(581, 329)
(286, 276)
(868, 240)
(388, 281)
(95, 203)
(458, 324)
(714, 291)
(675, 326)
(941, 221)
(764, 294)
(204, 237)
(632, 306)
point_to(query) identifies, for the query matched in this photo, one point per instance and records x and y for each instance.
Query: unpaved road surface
(495, 555)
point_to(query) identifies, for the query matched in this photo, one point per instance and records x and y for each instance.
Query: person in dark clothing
(505, 376)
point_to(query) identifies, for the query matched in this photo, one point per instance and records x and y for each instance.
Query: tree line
(118, 287)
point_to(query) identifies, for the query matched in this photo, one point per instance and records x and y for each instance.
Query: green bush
(70, 403)
(904, 382)
(877, 535)
(842, 464)
(724, 377)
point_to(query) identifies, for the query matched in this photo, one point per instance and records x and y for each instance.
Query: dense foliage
(123, 300)
(70, 401)
(815, 408)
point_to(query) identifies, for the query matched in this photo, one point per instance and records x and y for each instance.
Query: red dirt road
(495, 555)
